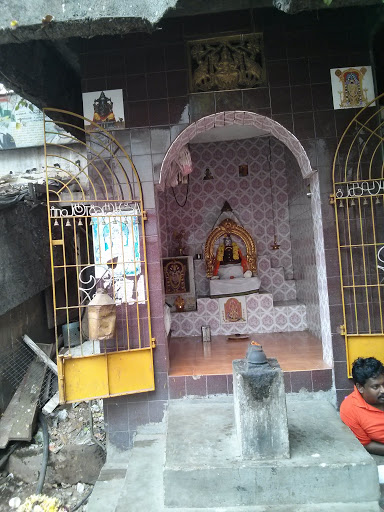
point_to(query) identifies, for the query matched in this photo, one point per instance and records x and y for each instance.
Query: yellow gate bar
(106, 375)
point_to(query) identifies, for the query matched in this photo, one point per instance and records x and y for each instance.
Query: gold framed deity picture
(352, 87)
(179, 280)
(233, 310)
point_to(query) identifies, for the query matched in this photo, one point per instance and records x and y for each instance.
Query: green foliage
(24, 103)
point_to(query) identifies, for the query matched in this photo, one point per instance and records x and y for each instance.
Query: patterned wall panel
(308, 252)
(162, 220)
(262, 316)
(325, 320)
(259, 200)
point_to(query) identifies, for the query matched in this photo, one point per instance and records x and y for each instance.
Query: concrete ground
(191, 463)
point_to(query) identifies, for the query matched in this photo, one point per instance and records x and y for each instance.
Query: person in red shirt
(363, 410)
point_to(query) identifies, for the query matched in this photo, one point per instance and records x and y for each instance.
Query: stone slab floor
(133, 481)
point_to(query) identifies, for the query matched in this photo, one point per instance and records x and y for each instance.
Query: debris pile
(76, 455)
(72, 425)
(15, 493)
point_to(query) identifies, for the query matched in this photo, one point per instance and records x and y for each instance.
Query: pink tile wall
(307, 245)
(250, 198)
(262, 316)
(162, 221)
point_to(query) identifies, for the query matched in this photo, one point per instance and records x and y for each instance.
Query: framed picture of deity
(352, 87)
(179, 281)
(233, 310)
(104, 108)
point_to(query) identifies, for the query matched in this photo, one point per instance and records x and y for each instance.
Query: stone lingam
(260, 408)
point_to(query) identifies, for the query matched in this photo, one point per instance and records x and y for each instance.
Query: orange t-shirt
(365, 421)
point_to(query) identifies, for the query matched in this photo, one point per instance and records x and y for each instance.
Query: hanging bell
(352, 202)
(56, 223)
(80, 223)
(365, 202)
(275, 246)
(341, 204)
(67, 224)
(377, 200)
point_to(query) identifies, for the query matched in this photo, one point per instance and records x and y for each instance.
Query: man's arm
(375, 448)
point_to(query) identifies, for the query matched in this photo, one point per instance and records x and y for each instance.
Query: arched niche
(262, 124)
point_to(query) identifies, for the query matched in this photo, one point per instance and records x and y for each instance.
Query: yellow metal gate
(97, 241)
(358, 196)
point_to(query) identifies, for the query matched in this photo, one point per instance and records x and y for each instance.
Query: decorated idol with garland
(229, 253)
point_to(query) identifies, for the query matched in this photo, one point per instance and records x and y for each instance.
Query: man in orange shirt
(363, 410)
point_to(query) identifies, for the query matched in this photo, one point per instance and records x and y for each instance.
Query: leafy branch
(24, 103)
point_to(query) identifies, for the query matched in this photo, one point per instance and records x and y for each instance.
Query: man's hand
(375, 448)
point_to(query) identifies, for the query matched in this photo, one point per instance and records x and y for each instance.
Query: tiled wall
(124, 414)
(303, 244)
(205, 385)
(152, 71)
(257, 211)
(259, 202)
(321, 270)
(262, 316)
(308, 252)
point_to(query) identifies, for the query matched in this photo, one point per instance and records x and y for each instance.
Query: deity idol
(229, 253)
(103, 110)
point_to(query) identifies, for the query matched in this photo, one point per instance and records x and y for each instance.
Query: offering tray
(235, 337)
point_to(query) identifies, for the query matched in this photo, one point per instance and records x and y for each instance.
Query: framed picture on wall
(179, 281)
(105, 108)
(352, 87)
(233, 310)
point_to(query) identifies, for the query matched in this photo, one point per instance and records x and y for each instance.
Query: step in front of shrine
(182, 386)
(260, 315)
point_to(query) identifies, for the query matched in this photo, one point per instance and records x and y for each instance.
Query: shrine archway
(254, 125)
(264, 125)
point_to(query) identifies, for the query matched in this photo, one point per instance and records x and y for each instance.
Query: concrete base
(328, 468)
(134, 481)
(143, 490)
(324, 507)
(109, 487)
(135, 485)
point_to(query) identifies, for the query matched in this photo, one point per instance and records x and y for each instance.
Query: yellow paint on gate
(364, 346)
(105, 375)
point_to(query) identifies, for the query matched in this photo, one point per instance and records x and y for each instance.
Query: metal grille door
(96, 222)
(358, 196)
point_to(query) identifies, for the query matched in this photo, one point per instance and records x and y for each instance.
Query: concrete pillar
(260, 410)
